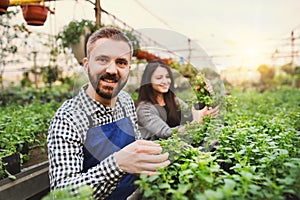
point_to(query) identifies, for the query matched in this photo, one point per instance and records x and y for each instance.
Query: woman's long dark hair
(147, 93)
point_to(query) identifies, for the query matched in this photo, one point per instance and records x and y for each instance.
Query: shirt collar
(94, 107)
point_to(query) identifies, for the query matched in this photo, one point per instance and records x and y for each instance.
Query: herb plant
(200, 88)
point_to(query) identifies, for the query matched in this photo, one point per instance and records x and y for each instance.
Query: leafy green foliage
(13, 37)
(257, 155)
(200, 89)
(24, 125)
(72, 32)
(83, 193)
(10, 32)
(25, 96)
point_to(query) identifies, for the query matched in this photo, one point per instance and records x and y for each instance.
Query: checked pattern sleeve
(66, 160)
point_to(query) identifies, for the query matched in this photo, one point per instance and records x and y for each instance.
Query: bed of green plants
(84, 192)
(25, 96)
(253, 152)
(24, 126)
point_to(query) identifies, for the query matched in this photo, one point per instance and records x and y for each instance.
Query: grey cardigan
(152, 121)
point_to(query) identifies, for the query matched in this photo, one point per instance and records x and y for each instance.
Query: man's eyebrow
(101, 56)
(122, 59)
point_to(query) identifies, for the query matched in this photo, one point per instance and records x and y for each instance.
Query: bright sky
(232, 32)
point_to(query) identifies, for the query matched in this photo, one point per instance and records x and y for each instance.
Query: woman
(158, 109)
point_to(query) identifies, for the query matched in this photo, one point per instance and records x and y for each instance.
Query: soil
(36, 155)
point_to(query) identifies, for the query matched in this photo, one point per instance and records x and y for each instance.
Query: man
(92, 136)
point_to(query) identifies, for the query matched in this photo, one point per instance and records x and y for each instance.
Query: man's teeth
(109, 80)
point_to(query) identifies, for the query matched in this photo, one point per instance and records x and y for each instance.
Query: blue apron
(104, 140)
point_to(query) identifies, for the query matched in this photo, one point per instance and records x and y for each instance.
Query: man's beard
(112, 92)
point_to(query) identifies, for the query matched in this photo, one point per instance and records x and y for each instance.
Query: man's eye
(121, 62)
(103, 59)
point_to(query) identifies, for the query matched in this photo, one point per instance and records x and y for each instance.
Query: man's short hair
(110, 33)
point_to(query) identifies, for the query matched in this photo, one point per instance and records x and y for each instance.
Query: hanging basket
(78, 49)
(3, 6)
(35, 14)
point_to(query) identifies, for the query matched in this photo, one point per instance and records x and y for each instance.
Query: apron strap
(91, 122)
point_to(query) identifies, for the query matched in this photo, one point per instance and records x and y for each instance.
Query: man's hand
(142, 157)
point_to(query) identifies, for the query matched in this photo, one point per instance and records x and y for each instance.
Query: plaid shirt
(66, 137)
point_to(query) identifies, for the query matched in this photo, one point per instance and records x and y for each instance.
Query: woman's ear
(85, 63)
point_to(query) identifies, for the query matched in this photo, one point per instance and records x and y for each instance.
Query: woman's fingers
(199, 114)
(209, 87)
(214, 111)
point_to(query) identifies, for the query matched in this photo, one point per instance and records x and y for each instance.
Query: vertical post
(292, 59)
(35, 69)
(189, 58)
(1, 82)
(98, 12)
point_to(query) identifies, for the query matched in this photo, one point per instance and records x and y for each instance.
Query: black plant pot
(24, 148)
(13, 165)
(31, 183)
(199, 106)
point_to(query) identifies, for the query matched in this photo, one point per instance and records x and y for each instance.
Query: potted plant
(75, 35)
(3, 6)
(203, 97)
(34, 13)
(10, 163)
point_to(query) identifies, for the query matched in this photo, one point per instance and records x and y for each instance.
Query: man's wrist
(116, 163)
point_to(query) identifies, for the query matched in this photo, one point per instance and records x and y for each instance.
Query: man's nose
(111, 68)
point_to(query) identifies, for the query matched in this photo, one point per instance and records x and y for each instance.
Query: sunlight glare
(251, 51)
(251, 55)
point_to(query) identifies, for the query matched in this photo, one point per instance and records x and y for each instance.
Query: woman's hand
(209, 87)
(199, 114)
(213, 112)
(206, 111)
(142, 157)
